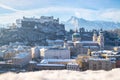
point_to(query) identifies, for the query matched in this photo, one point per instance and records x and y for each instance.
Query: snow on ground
(63, 75)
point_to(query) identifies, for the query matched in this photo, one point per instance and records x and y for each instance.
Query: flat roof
(106, 51)
(72, 63)
(32, 62)
(21, 55)
(99, 59)
(50, 65)
(57, 60)
(91, 46)
(82, 42)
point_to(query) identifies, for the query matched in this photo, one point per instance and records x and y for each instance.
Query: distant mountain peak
(89, 25)
(73, 18)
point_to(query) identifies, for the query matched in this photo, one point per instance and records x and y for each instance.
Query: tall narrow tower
(101, 40)
(95, 36)
(76, 35)
(65, 44)
(89, 52)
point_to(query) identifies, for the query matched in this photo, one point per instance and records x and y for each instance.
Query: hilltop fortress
(33, 31)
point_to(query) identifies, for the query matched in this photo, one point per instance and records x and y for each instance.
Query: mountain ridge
(89, 25)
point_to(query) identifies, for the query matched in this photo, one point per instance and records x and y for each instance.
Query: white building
(105, 54)
(73, 66)
(35, 52)
(117, 48)
(21, 59)
(55, 42)
(55, 53)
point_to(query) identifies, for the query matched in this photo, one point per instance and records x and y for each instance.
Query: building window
(94, 66)
(100, 63)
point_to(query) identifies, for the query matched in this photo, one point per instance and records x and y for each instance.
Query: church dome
(76, 35)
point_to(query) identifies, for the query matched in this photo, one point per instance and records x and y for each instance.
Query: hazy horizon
(107, 10)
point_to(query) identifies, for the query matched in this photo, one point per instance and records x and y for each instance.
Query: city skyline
(107, 10)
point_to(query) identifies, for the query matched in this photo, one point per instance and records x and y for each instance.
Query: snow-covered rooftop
(90, 46)
(82, 42)
(21, 55)
(58, 40)
(105, 52)
(87, 42)
(20, 48)
(32, 62)
(99, 59)
(57, 60)
(72, 63)
(50, 65)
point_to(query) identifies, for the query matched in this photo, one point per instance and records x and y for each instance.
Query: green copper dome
(76, 35)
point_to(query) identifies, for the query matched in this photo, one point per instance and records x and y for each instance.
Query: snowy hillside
(90, 24)
(63, 75)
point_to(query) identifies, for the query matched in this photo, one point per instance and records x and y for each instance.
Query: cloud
(113, 15)
(106, 15)
(17, 3)
(64, 13)
(7, 7)
(30, 4)
(86, 13)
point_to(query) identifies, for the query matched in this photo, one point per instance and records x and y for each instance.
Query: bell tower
(95, 36)
(65, 43)
(101, 40)
(76, 35)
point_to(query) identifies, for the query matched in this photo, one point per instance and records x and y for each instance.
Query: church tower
(89, 51)
(65, 44)
(95, 36)
(76, 36)
(101, 40)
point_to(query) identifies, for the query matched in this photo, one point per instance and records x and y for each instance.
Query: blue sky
(107, 10)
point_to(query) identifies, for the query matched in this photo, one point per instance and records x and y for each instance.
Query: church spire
(89, 51)
(76, 24)
(95, 36)
(101, 40)
(76, 35)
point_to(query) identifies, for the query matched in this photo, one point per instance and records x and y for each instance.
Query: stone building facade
(55, 53)
(100, 64)
(76, 46)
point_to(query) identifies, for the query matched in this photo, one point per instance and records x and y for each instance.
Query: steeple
(101, 32)
(101, 40)
(95, 36)
(65, 43)
(89, 51)
(76, 24)
(76, 35)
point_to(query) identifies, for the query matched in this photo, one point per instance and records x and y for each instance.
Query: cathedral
(79, 47)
